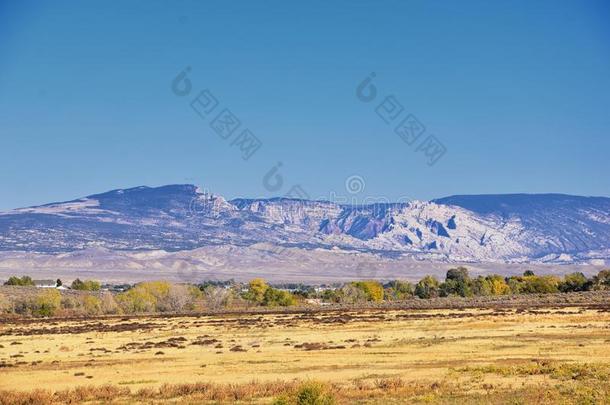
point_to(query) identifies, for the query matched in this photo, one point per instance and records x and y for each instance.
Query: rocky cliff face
(517, 227)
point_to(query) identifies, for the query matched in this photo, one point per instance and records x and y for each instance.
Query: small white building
(45, 283)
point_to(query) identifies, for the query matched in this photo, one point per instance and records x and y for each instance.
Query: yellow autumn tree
(372, 289)
(256, 290)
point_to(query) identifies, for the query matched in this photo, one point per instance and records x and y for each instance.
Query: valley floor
(474, 355)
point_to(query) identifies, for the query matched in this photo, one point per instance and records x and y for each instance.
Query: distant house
(117, 288)
(45, 283)
(316, 301)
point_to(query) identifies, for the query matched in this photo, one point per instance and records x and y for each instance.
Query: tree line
(78, 284)
(162, 296)
(459, 283)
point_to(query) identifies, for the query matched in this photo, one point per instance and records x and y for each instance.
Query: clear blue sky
(519, 93)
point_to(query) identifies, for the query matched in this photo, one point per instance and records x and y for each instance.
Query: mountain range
(149, 223)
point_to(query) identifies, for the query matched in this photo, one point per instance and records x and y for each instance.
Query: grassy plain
(485, 355)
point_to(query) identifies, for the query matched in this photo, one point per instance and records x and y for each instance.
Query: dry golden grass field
(542, 355)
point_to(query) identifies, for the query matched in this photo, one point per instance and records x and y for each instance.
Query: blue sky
(517, 92)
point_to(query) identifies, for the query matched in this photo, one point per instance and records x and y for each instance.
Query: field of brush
(554, 354)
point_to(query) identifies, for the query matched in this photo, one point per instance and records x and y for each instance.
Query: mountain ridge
(487, 227)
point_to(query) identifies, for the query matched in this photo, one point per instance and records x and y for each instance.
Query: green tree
(453, 288)
(427, 287)
(331, 295)
(534, 284)
(23, 281)
(398, 290)
(87, 285)
(460, 274)
(574, 282)
(274, 297)
(457, 282)
(77, 284)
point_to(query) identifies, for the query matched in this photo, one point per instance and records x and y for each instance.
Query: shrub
(23, 281)
(47, 303)
(314, 393)
(24, 306)
(69, 302)
(308, 393)
(87, 285)
(108, 304)
(92, 305)
(282, 400)
(5, 305)
(387, 384)
(427, 287)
